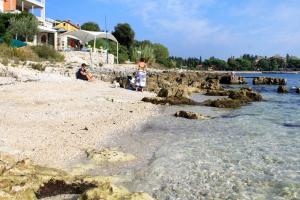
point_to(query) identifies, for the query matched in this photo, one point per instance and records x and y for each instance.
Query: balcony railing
(37, 2)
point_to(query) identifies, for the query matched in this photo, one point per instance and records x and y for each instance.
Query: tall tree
(161, 53)
(124, 34)
(26, 26)
(90, 26)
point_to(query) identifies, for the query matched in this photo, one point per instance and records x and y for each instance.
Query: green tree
(90, 26)
(161, 53)
(263, 64)
(124, 34)
(215, 63)
(233, 65)
(245, 64)
(26, 26)
(293, 62)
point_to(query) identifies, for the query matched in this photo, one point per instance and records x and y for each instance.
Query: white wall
(1, 5)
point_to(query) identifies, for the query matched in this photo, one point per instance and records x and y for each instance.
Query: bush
(38, 67)
(25, 53)
(48, 53)
(146, 52)
(5, 61)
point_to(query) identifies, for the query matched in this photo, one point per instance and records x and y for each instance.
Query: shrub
(48, 53)
(6, 51)
(21, 54)
(146, 52)
(5, 61)
(25, 53)
(38, 67)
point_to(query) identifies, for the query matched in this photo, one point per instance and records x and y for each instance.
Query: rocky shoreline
(52, 96)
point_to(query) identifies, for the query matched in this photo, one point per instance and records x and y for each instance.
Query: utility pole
(107, 44)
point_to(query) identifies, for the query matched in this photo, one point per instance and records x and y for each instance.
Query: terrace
(31, 6)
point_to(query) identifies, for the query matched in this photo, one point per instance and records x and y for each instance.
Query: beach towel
(141, 78)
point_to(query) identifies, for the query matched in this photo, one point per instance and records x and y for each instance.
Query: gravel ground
(53, 122)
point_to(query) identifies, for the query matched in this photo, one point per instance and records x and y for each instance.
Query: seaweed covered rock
(177, 91)
(235, 99)
(245, 94)
(269, 81)
(282, 89)
(170, 101)
(217, 93)
(224, 103)
(190, 115)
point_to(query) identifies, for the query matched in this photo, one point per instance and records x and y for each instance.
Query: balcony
(45, 22)
(29, 4)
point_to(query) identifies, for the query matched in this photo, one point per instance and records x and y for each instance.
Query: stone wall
(98, 59)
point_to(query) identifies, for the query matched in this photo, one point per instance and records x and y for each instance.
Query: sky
(194, 28)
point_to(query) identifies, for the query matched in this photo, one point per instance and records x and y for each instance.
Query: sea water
(247, 153)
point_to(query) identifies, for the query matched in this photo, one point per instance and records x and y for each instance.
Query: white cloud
(189, 27)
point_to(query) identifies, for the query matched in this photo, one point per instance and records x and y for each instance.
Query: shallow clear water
(248, 153)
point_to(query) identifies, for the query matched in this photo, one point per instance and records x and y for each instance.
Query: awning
(46, 29)
(87, 36)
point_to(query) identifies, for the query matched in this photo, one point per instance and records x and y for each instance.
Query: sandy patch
(52, 123)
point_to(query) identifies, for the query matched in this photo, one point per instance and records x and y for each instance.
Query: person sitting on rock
(83, 73)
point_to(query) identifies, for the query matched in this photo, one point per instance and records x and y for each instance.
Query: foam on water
(248, 153)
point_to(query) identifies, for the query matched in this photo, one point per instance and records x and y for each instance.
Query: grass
(48, 53)
(36, 54)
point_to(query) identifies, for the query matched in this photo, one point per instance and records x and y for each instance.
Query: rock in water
(190, 115)
(116, 193)
(224, 103)
(171, 101)
(227, 79)
(236, 99)
(217, 93)
(269, 81)
(282, 89)
(298, 90)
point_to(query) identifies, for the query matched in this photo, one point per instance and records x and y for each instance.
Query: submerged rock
(108, 155)
(23, 180)
(190, 115)
(282, 89)
(111, 192)
(269, 81)
(170, 101)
